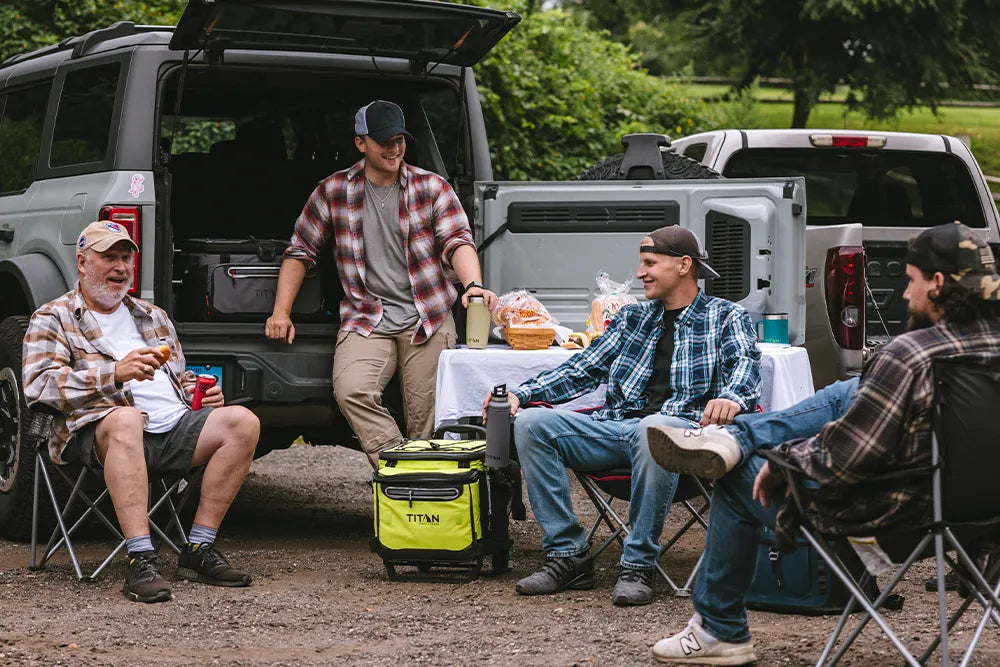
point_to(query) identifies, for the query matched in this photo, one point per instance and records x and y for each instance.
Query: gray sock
(202, 535)
(139, 543)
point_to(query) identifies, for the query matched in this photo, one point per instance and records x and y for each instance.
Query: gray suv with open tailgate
(204, 141)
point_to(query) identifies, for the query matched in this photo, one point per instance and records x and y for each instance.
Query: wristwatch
(474, 283)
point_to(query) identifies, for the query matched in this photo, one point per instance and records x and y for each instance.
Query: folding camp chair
(965, 459)
(605, 487)
(165, 497)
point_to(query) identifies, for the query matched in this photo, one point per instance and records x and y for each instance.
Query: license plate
(207, 370)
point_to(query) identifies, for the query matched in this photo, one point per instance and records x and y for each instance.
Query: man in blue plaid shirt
(682, 359)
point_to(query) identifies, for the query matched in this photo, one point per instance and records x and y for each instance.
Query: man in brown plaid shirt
(99, 358)
(953, 297)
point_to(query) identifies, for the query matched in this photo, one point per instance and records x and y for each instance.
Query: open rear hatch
(421, 31)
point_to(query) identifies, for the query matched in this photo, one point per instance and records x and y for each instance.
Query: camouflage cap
(959, 253)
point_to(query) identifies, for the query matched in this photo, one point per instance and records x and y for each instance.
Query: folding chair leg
(942, 602)
(40, 466)
(853, 603)
(861, 598)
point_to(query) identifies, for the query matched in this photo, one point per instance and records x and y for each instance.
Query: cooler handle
(238, 272)
(468, 429)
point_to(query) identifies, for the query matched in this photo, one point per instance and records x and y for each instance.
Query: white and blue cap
(103, 234)
(381, 121)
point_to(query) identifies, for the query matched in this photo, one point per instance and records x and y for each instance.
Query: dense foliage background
(560, 91)
(557, 94)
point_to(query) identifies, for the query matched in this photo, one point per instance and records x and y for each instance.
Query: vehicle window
(441, 110)
(197, 135)
(875, 188)
(695, 151)
(83, 122)
(21, 135)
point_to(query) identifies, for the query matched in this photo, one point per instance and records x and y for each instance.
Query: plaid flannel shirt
(715, 356)
(886, 428)
(68, 366)
(433, 226)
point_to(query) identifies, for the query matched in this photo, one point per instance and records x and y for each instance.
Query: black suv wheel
(17, 459)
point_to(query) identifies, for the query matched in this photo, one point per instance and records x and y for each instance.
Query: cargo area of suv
(204, 141)
(243, 150)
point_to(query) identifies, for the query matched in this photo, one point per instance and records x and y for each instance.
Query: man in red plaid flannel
(401, 239)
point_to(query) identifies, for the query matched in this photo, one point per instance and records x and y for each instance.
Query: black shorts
(168, 453)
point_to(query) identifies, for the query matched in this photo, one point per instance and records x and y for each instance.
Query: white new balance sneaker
(708, 452)
(694, 646)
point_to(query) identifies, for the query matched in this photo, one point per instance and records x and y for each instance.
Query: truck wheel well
(14, 301)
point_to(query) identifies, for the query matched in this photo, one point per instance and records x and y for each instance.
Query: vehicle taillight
(128, 217)
(846, 141)
(845, 295)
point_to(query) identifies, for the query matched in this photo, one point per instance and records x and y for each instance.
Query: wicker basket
(529, 338)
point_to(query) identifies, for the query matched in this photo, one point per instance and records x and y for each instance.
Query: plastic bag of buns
(521, 309)
(611, 296)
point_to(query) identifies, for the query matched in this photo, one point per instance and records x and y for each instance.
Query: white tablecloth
(465, 376)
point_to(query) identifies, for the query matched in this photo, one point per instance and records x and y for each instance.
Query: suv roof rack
(83, 44)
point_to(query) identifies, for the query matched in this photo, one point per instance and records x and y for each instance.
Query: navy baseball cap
(381, 121)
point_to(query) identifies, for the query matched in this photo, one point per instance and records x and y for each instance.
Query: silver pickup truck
(868, 192)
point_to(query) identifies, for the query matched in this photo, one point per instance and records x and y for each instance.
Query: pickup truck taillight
(845, 295)
(128, 217)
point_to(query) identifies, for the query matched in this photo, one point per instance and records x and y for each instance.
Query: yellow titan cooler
(440, 510)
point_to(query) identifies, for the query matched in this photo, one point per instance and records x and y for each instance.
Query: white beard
(102, 293)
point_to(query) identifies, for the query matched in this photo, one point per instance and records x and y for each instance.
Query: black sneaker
(634, 587)
(143, 582)
(559, 573)
(204, 563)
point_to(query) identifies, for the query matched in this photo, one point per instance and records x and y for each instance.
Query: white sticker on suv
(138, 185)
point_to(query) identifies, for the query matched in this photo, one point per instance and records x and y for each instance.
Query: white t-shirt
(156, 397)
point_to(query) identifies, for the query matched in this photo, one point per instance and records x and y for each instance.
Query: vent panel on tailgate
(727, 239)
(543, 217)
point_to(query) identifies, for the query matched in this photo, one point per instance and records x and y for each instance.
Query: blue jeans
(548, 441)
(764, 430)
(730, 558)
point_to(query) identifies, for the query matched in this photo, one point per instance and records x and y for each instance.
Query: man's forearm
(290, 278)
(465, 261)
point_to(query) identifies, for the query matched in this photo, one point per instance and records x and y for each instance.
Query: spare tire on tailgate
(675, 167)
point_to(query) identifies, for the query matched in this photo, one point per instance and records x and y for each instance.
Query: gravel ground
(301, 525)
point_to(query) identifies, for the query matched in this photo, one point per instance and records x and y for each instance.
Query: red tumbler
(203, 384)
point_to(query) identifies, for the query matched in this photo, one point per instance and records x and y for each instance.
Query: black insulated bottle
(498, 428)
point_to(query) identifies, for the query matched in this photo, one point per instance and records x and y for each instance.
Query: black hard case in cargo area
(235, 280)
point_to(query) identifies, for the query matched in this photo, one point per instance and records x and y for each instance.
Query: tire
(676, 167)
(17, 458)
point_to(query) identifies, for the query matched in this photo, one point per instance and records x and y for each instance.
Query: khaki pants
(362, 366)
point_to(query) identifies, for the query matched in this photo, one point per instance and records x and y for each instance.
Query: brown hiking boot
(143, 582)
(204, 563)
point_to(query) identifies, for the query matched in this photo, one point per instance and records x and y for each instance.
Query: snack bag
(610, 298)
(521, 309)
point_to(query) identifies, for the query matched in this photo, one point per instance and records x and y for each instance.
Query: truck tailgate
(553, 238)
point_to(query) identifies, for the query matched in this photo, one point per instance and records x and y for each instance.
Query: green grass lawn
(981, 124)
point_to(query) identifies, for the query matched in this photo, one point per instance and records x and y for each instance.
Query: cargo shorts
(167, 454)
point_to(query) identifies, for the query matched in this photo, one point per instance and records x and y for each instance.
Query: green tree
(558, 96)
(26, 25)
(892, 54)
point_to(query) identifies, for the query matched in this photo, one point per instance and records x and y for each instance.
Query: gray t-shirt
(386, 274)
